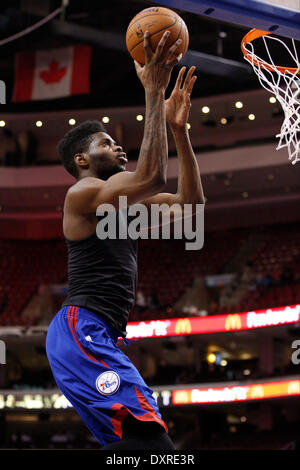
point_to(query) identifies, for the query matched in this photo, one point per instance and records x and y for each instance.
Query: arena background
(217, 335)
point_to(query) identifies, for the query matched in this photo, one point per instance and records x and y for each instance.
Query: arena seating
(23, 267)
(168, 269)
(276, 258)
(165, 267)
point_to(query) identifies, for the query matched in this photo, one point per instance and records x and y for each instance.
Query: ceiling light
(188, 126)
(139, 117)
(246, 372)
(72, 122)
(223, 363)
(211, 358)
(251, 117)
(2, 123)
(205, 109)
(272, 99)
(105, 119)
(245, 356)
(38, 123)
(239, 105)
(223, 120)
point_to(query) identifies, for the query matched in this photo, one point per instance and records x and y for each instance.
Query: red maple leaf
(54, 74)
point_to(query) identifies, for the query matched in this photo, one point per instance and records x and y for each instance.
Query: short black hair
(77, 140)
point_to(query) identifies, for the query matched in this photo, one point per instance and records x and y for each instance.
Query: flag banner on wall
(49, 74)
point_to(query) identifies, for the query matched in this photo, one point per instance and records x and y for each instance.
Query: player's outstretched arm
(189, 189)
(155, 77)
(150, 174)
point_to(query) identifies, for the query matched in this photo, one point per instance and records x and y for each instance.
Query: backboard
(278, 16)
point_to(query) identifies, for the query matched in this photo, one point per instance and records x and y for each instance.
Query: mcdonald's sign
(257, 391)
(233, 322)
(183, 326)
(294, 387)
(181, 397)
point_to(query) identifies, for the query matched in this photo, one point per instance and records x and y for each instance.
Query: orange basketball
(156, 20)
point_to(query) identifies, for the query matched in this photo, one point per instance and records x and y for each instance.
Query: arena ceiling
(114, 85)
(113, 78)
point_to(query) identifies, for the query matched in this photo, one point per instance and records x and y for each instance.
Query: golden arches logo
(181, 396)
(257, 391)
(233, 322)
(294, 387)
(183, 326)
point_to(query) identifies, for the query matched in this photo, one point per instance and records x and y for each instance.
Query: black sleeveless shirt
(102, 275)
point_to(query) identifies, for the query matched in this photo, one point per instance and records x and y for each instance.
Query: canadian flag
(55, 73)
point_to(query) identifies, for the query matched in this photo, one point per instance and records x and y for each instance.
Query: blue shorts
(96, 377)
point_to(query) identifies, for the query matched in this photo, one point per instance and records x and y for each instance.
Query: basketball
(156, 20)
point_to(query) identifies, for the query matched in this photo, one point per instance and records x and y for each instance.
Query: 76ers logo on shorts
(108, 383)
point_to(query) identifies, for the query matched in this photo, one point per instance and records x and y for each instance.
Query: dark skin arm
(189, 189)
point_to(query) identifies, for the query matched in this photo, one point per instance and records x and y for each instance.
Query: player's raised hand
(155, 74)
(179, 103)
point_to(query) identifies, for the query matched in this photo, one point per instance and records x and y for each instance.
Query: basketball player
(97, 378)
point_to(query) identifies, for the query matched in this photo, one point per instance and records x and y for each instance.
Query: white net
(284, 83)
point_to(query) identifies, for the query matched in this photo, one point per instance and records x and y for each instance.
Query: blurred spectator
(4, 302)
(287, 276)
(147, 364)
(247, 273)
(18, 150)
(21, 440)
(268, 281)
(193, 310)
(10, 149)
(276, 275)
(45, 306)
(141, 302)
(259, 279)
(169, 310)
(252, 285)
(264, 280)
(28, 147)
(59, 437)
(213, 307)
(296, 276)
(153, 302)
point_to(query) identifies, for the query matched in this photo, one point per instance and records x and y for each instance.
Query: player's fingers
(172, 50)
(188, 77)
(180, 77)
(174, 62)
(147, 48)
(191, 84)
(188, 101)
(161, 44)
(137, 66)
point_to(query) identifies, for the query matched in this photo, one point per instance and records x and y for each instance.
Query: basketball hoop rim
(255, 34)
